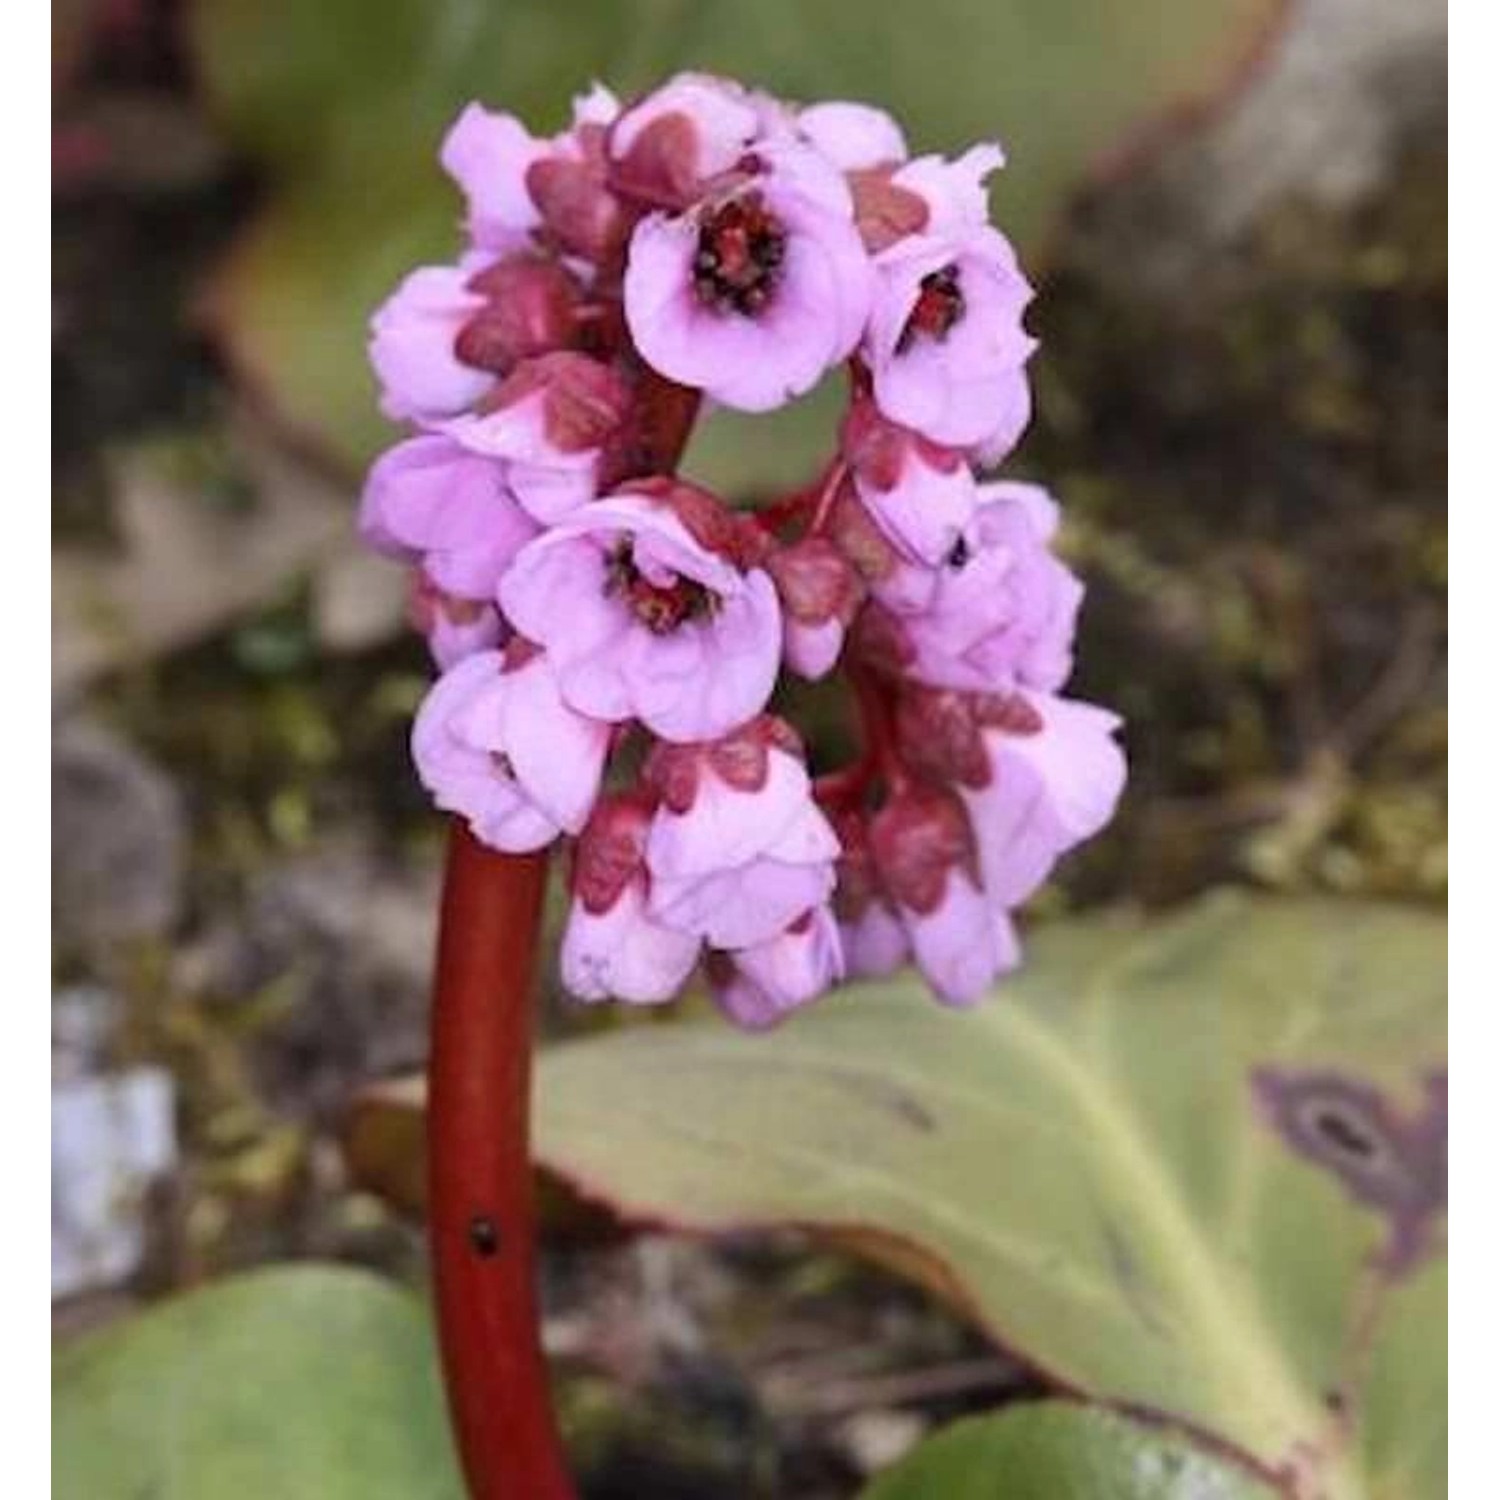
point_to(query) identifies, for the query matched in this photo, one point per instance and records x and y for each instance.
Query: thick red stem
(481, 1214)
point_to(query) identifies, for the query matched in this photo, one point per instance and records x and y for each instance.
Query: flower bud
(495, 743)
(737, 849)
(612, 948)
(921, 495)
(924, 855)
(549, 421)
(819, 592)
(530, 308)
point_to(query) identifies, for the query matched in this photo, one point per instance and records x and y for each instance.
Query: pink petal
(852, 135)
(623, 954)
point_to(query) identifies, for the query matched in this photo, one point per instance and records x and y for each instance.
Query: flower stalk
(481, 1213)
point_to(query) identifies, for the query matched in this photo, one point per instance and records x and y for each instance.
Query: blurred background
(1235, 211)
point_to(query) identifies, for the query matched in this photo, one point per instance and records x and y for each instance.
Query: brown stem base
(480, 1209)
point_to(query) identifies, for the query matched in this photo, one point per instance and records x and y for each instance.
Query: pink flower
(922, 496)
(649, 612)
(412, 339)
(852, 136)
(945, 346)
(738, 849)
(820, 593)
(495, 743)
(491, 157)
(612, 947)
(755, 290)
(1003, 609)
(711, 241)
(693, 128)
(760, 985)
(427, 500)
(924, 855)
(1037, 774)
(549, 421)
(455, 627)
(1054, 776)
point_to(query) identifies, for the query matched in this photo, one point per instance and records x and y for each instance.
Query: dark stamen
(661, 608)
(741, 247)
(939, 306)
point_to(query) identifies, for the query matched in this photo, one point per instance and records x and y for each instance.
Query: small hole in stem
(484, 1236)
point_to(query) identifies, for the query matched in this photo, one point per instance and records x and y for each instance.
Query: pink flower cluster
(611, 634)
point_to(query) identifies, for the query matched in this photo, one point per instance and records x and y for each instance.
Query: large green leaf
(1056, 1451)
(1195, 1167)
(345, 102)
(303, 1383)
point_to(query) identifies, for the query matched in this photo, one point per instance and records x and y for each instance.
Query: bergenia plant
(611, 635)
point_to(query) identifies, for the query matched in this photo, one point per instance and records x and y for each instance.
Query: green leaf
(1196, 1167)
(298, 1383)
(345, 103)
(1056, 1451)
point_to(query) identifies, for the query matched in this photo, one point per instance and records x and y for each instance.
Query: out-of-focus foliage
(1053, 1451)
(1197, 1167)
(345, 102)
(307, 1383)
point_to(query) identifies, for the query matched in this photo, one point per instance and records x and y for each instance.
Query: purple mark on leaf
(1391, 1160)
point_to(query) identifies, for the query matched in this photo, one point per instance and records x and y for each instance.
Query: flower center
(661, 608)
(939, 306)
(741, 246)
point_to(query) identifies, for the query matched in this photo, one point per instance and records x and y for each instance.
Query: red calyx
(740, 760)
(858, 884)
(874, 447)
(815, 580)
(610, 850)
(585, 400)
(531, 309)
(516, 652)
(883, 212)
(877, 449)
(859, 538)
(915, 840)
(1011, 713)
(879, 641)
(579, 212)
(939, 735)
(661, 167)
